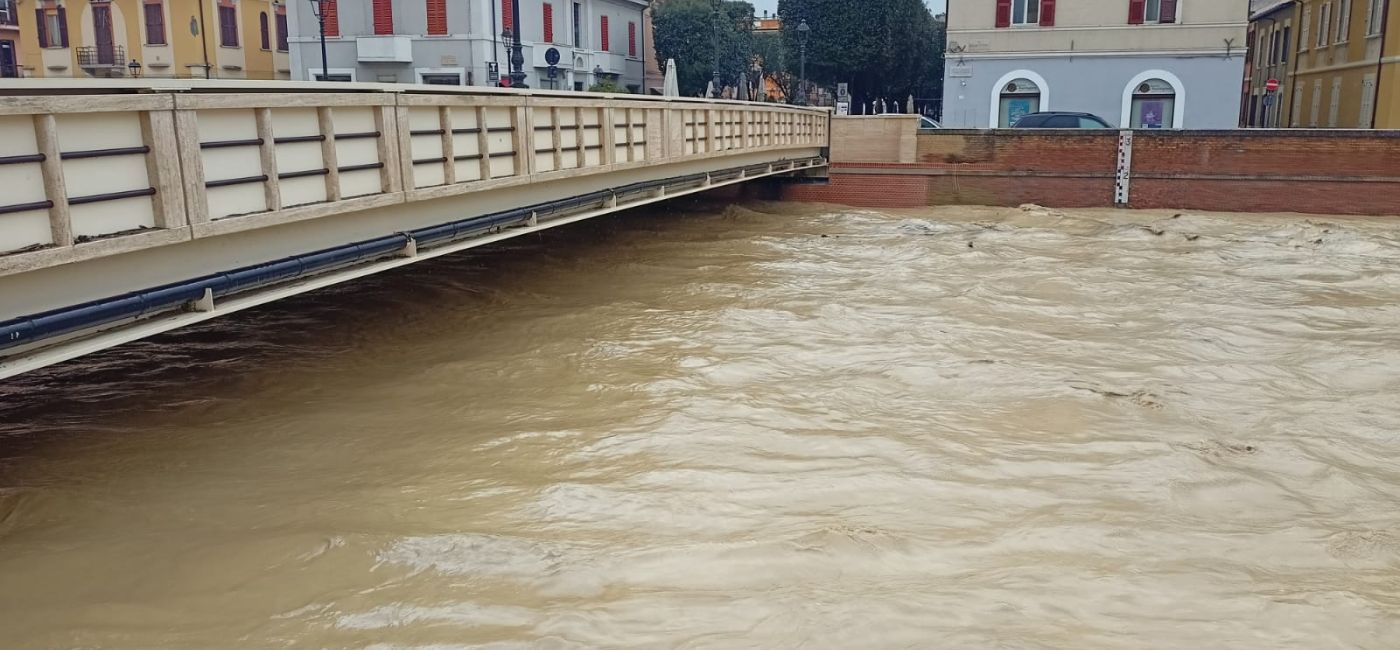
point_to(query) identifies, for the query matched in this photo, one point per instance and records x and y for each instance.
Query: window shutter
(155, 23)
(437, 17)
(1168, 11)
(264, 31)
(62, 27)
(548, 23)
(383, 17)
(43, 27)
(1047, 13)
(605, 44)
(1003, 13)
(632, 39)
(282, 28)
(332, 14)
(507, 18)
(1137, 11)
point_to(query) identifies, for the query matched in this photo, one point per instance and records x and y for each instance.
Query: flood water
(766, 426)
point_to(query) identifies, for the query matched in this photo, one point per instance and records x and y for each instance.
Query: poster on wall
(1152, 112)
(1017, 109)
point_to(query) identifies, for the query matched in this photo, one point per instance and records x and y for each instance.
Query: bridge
(133, 208)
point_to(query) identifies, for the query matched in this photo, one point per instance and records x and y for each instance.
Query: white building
(460, 42)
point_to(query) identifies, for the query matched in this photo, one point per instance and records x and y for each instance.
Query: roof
(1260, 7)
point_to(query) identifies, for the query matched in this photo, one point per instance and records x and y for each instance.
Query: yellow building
(219, 39)
(1347, 65)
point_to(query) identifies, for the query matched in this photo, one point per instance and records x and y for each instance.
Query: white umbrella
(671, 87)
(743, 87)
(710, 90)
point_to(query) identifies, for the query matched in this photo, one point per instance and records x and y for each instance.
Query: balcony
(384, 49)
(101, 56)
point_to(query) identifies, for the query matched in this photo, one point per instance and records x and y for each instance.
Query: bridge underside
(435, 185)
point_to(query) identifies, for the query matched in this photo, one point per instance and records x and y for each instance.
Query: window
(632, 39)
(1152, 11)
(1324, 15)
(155, 23)
(264, 31)
(9, 62)
(383, 17)
(1025, 12)
(1287, 38)
(1019, 98)
(1343, 21)
(1375, 15)
(1335, 102)
(53, 27)
(437, 17)
(228, 24)
(548, 22)
(9, 16)
(1153, 106)
(1274, 48)
(578, 25)
(440, 78)
(281, 19)
(604, 45)
(1316, 103)
(332, 17)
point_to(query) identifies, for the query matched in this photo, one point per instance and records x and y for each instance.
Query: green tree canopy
(887, 49)
(685, 32)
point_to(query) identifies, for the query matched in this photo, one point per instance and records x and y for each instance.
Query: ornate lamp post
(134, 68)
(803, 31)
(717, 5)
(318, 9)
(517, 49)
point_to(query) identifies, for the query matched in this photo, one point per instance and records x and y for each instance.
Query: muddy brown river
(756, 426)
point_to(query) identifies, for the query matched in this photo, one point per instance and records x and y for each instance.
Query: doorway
(102, 32)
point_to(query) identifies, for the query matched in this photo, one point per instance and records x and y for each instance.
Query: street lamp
(318, 9)
(803, 31)
(717, 5)
(135, 68)
(517, 49)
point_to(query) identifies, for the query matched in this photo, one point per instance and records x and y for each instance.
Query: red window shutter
(1168, 11)
(1047, 13)
(383, 17)
(1003, 13)
(631, 39)
(548, 23)
(1137, 11)
(605, 44)
(437, 17)
(332, 14)
(62, 27)
(507, 18)
(43, 27)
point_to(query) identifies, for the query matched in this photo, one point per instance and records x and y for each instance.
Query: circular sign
(1271, 85)
(551, 56)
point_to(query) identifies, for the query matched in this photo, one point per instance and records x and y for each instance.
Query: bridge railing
(89, 172)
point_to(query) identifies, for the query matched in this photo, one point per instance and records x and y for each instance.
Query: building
(1270, 60)
(219, 39)
(1135, 63)
(9, 38)
(1346, 65)
(567, 43)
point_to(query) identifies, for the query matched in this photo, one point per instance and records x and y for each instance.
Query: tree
(884, 49)
(684, 31)
(772, 56)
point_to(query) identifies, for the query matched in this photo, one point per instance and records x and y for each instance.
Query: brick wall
(875, 138)
(1317, 171)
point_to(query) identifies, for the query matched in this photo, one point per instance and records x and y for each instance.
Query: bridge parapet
(92, 171)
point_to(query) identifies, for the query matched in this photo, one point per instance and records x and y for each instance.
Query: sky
(938, 6)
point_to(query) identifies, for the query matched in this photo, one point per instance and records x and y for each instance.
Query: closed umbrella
(671, 87)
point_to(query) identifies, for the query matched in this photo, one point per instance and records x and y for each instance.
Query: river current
(752, 426)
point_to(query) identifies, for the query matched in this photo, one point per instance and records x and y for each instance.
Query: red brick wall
(1326, 172)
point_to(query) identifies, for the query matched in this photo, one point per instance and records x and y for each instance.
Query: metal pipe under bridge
(137, 207)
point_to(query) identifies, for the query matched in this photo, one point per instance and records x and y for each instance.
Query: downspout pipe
(1380, 62)
(204, 38)
(1293, 76)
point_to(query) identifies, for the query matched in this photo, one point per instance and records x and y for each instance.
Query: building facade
(1346, 65)
(217, 39)
(1135, 63)
(1270, 61)
(568, 44)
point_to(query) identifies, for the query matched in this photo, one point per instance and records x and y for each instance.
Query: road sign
(553, 71)
(1271, 85)
(551, 56)
(493, 71)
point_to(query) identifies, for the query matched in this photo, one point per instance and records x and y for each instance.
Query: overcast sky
(938, 6)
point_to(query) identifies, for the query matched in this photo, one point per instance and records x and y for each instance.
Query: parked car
(1060, 120)
(926, 123)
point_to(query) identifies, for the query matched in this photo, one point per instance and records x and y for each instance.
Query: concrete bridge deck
(131, 208)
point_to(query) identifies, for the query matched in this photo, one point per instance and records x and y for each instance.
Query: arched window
(264, 31)
(1019, 97)
(1154, 105)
